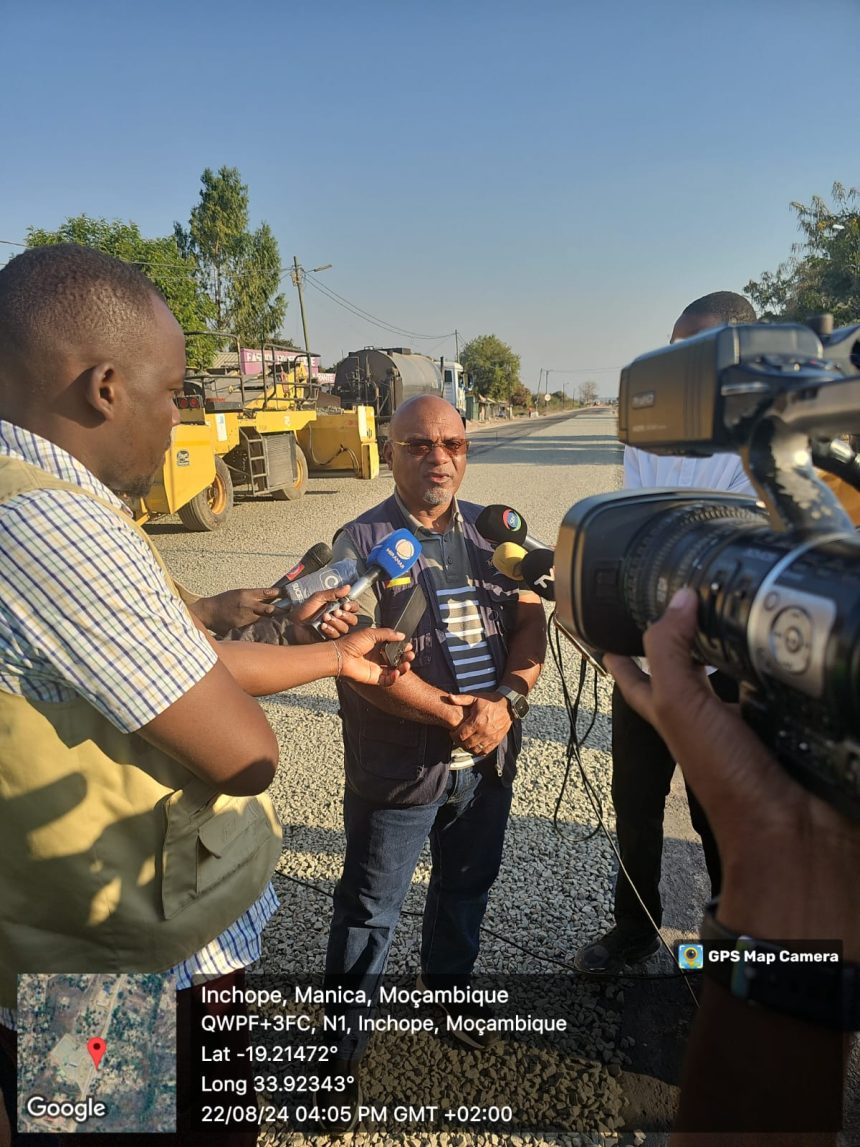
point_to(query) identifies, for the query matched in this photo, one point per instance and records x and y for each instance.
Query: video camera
(779, 588)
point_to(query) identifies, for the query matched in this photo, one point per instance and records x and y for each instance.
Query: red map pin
(96, 1047)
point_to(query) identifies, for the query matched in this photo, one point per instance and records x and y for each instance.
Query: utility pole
(456, 346)
(298, 278)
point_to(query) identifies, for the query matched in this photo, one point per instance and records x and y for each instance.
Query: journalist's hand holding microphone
(338, 621)
(360, 657)
(234, 608)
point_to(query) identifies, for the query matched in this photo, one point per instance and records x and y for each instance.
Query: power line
(583, 370)
(376, 318)
(447, 338)
(354, 308)
(158, 263)
(359, 312)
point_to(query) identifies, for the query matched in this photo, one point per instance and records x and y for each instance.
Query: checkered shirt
(85, 611)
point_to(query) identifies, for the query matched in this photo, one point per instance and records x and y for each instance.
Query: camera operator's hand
(790, 861)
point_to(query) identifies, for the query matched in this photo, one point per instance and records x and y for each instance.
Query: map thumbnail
(96, 1053)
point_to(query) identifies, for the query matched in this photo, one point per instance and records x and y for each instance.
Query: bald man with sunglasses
(435, 758)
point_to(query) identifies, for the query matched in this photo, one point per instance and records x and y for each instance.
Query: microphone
(504, 524)
(508, 560)
(537, 572)
(390, 558)
(331, 576)
(317, 556)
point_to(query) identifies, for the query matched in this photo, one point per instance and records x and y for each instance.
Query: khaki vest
(113, 856)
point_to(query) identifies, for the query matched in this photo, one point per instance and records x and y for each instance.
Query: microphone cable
(504, 938)
(574, 746)
(574, 741)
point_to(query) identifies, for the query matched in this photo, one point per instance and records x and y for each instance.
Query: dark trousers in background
(466, 827)
(190, 1009)
(642, 768)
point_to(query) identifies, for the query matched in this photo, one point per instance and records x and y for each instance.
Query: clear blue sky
(565, 175)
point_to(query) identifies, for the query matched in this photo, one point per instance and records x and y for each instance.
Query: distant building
(252, 359)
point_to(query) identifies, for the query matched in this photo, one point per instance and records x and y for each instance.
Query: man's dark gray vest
(393, 761)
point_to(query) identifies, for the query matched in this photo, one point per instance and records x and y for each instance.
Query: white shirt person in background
(642, 764)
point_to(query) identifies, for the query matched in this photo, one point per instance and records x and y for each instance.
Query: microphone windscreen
(501, 524)
(318, 555)
(508, 559)
(537, 571)
(395, 554)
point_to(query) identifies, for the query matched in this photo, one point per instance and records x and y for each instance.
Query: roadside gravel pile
(553, 893)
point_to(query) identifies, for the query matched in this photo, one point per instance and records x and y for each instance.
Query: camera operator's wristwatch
(824, 993)
(517, 703)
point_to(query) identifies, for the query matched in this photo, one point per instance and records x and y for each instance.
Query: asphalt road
(554, 891)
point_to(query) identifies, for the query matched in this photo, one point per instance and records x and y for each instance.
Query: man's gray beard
(436, 496)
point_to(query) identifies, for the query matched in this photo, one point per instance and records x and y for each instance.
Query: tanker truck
(384, 377)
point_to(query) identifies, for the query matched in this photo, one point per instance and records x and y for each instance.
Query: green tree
(823, 270)
(239, 269)
(217, 235)
(493, 365)
(258, 310)
(521, 396)
(173, 271)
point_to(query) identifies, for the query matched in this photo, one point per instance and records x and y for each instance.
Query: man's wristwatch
(517, 703)
(825, 992)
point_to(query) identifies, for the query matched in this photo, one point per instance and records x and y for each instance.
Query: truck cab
(454, 384)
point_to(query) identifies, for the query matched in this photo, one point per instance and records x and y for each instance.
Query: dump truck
(384, 377)
(262, 433)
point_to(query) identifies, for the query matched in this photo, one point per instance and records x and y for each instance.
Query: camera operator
(642, 765)
(790, 866)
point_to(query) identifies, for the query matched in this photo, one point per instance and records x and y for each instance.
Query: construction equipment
(262, 433)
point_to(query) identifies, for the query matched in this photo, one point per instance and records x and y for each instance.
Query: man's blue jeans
(466, 826)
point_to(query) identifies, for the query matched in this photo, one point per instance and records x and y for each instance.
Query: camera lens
(675, 549)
